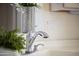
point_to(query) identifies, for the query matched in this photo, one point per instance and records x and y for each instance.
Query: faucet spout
(44, 34)
(41, 33)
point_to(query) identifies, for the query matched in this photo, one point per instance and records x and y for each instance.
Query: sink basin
(54, 53)
(57, 48)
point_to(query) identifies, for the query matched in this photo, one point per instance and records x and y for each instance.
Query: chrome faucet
(32, 38)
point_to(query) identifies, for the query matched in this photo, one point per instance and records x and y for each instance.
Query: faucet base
(28, 52)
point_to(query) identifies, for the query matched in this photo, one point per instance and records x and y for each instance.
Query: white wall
(62, 28)
(59, 25)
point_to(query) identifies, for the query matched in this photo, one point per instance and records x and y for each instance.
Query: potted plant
(11, 42)
(28, 4)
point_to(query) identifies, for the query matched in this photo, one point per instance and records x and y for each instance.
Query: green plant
(28, 4)
(10, 40)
